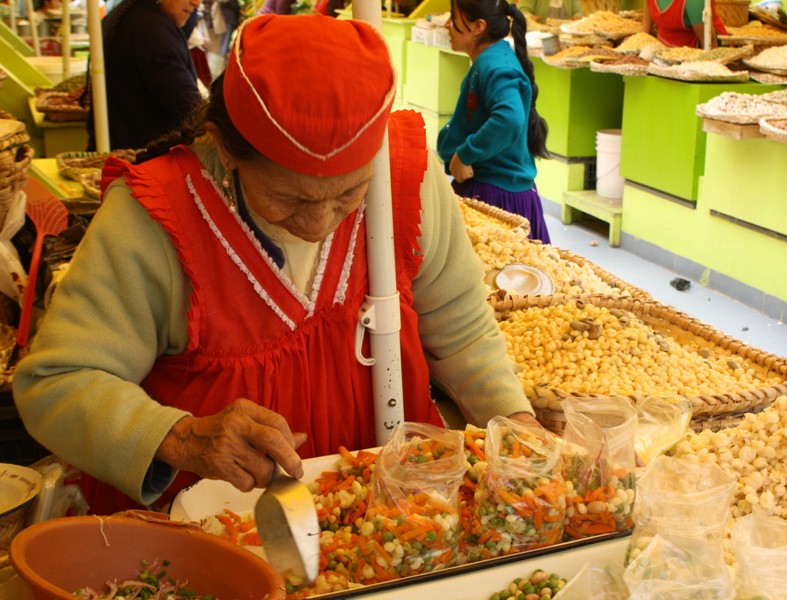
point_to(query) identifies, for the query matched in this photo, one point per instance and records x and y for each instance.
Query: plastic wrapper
(679, 568)
(595, 582)
(677, 497)
(760, 542)
(520, 500)
(412, 520)
(598, 465)
(662, 421)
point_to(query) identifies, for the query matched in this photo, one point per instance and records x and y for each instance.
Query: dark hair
(501, 18)
(213, 111)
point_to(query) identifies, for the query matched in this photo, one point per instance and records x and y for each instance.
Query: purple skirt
(526, 204)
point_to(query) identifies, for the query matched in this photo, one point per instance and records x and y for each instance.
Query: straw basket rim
(547, 402)
(776, 133)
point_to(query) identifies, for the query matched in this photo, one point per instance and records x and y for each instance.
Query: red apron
(253, 335)
(672, 30)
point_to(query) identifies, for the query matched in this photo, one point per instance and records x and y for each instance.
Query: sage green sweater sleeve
(121, 304)
(465, 349)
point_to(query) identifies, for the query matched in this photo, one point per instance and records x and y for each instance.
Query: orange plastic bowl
(60, 556)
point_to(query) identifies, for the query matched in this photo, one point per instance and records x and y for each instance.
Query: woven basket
(733, 13)
(510, 219)
(504, 301)
(687, 331)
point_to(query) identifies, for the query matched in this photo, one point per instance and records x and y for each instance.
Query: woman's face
(179, 10)
(460, 31)
(310, 208)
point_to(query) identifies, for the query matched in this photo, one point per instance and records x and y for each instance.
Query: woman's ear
(479, 27)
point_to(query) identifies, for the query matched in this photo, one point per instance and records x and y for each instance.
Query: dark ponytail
(502, 18)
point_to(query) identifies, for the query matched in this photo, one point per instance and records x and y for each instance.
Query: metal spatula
(289, 529)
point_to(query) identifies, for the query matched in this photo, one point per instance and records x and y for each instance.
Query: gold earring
(229, 192)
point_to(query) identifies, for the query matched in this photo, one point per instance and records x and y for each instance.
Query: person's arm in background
(535, 8)
(465, 349)
(692, 16)
(573, 9)
(647, 18)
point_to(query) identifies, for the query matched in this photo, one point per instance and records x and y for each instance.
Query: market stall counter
(663, 145)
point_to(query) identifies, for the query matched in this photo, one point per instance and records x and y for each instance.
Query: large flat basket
(752, 379)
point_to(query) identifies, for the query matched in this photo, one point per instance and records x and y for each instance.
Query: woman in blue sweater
(490, 144)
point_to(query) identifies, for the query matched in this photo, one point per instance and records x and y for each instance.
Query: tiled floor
(719, 311)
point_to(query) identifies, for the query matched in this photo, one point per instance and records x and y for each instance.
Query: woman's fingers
(240, 445)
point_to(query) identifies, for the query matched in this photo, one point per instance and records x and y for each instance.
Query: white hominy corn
(580, 347)
(498, 244)
(737, 451)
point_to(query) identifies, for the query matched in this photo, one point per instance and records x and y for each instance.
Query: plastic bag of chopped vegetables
(679, 568)
(760, 542)
(412, 520)
(598, 465)
(595, 581)
(520, 500)
(680, 497)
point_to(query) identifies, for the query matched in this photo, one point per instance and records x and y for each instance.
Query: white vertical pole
(31, 16)
(97, 80)
(12, 15)
(65, 38)
(383, 296)
(707, 21)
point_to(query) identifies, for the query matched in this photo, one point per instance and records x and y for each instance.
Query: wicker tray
(754, 40)
(679, 72)
(59, 112)
(770, 131)
(687, 331)
(75, 164)
(767, 78)
(635, 70)
(765, 69)
(92, 183)
(502, 301)
(504, 216)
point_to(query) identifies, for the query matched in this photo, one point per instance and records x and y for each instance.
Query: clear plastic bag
(760, 543)
(412, 520)
(598, 465)
(679, 569)
(595, 582)
(521, 498)
(662, 421)
(677, 497)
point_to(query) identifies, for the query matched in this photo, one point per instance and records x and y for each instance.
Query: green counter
(663, 144)
(576, 103)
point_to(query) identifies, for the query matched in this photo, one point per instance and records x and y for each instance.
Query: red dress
(671, 28)
(252, 334)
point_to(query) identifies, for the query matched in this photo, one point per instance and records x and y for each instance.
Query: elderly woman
(206, 326)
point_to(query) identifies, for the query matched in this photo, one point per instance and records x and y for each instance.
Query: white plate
(524, 279)
(18, 486)
(210, 497)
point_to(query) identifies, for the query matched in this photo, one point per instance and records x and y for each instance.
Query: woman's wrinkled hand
(460, 171)
(240, 445)
(527, 419)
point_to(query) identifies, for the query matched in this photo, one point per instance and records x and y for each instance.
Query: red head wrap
(309, 92)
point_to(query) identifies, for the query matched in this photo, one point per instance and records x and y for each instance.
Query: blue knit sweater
(489, 126)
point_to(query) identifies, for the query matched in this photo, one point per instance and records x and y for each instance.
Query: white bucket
(609, 183)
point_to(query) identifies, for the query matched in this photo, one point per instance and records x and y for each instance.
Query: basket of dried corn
(601, 346)
(499, 238)
(733, 13)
